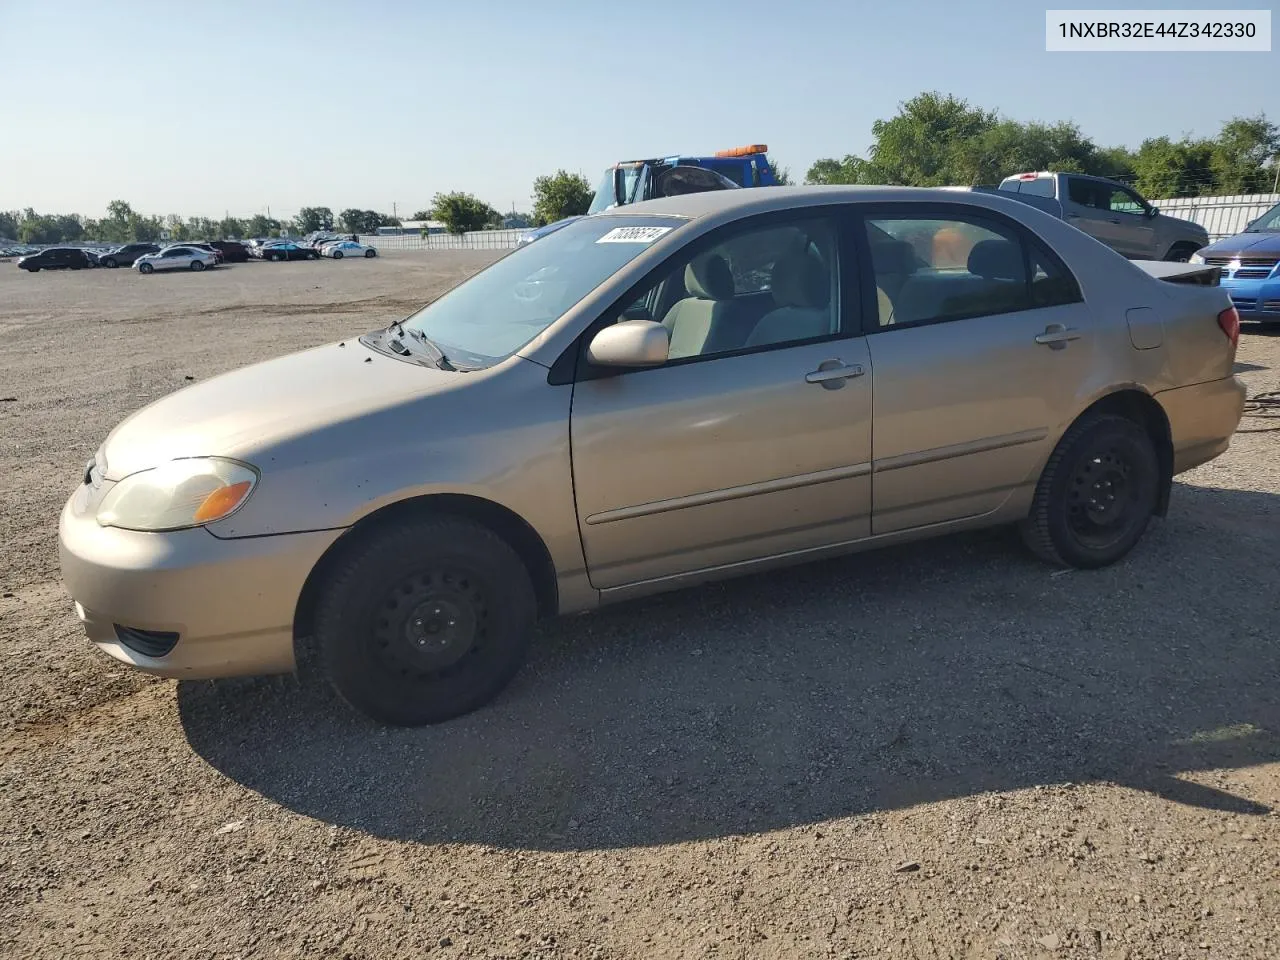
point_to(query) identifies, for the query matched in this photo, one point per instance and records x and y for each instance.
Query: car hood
(1254, 244)
(240, 413)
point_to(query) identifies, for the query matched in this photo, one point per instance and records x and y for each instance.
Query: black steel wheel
(1097, 494)
(426, 621)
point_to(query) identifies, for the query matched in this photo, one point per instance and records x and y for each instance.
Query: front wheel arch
(507, 524)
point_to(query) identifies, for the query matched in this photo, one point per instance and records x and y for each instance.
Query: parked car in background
(180, 257)
(347, 248)
(126, 255)
(232, 250)
(810, 377)
(1110, 212)
(201, 245)
(288, 250)
(92, 255)
(55, 258)
(1250, 265)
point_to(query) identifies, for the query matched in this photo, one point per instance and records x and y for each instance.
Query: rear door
(1087, 206)
(980, 343)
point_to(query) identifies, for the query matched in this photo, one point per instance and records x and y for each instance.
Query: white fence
(475, 240)
(1221, 216)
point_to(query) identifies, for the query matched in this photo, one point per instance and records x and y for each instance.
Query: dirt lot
(943, 750)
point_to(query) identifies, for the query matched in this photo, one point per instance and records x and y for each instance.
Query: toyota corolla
(662, 394)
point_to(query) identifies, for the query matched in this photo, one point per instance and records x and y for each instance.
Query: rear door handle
(1056, 336)
(832, 373)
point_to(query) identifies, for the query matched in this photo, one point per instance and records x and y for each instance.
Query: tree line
(933, 140)
(940, 140)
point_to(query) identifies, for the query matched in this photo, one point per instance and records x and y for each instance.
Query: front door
(754, 439)
(982, 346)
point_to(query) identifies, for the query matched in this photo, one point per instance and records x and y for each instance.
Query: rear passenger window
(931, 270)
(1039, 187)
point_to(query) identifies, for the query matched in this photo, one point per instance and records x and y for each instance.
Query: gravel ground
(934, 751)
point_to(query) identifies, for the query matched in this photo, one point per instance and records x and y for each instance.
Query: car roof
(751, 200)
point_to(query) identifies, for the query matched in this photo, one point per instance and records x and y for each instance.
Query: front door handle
(832, 373)
(1056, 336)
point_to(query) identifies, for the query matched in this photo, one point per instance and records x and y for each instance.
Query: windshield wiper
(435, 353)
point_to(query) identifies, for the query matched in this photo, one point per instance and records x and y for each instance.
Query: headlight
(178, 494)
(1196, 258)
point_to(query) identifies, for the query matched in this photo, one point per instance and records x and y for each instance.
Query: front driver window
(757, 287)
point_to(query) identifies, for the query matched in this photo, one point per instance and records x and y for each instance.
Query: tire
(1180, 252)
(146, 268)
(393, 595)
(277, 257)
(1096, 495)
(197, 266)
(313, 255)
(32, 269)
(337, 254)
(370, 254)
(111, 262)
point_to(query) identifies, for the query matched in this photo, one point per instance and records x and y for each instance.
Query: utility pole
(394, 215)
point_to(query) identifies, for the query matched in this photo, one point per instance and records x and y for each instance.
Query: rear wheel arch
(507, 524)
(1145, 410)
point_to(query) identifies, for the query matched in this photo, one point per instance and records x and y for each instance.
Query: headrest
(709, 278)
(997, 260)
(895, 256)
(800, 280)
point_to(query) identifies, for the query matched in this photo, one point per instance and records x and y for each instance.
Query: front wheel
(425, 622)
(1180, 252)
(111, 262)
(145, 268)
(370, 254)
(197, 265)
(1097, 494)
(278, 257)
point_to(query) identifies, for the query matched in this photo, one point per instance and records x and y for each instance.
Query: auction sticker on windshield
(634, 234)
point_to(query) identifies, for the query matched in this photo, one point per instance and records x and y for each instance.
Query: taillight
(1229, 321)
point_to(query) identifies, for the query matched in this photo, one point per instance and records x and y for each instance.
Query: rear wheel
(337, 254)
(1097, 494)
(313, 255)
(425, 622)
(145, 268)
(277, 257)
(197, 265)
(111, 262)
(1181, 252)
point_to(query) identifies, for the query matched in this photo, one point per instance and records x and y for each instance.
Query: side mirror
(631, 343)
(1153, 211)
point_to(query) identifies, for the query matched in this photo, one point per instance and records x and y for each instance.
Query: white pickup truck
(1109, 211)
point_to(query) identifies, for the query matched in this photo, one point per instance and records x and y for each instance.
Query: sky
(239, 106)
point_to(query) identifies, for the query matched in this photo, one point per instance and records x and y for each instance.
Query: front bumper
(230, 602)
(1257, 300)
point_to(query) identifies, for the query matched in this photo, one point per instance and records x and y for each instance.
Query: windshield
(495, 313)
(604, 199)
(1267, 222)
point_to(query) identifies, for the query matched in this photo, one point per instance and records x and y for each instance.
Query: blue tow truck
(634, 180)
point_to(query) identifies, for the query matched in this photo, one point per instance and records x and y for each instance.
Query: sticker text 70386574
(633, 234)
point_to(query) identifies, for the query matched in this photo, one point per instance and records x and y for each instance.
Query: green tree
(9, 224)
(461, 212)
(1240, 155)
(230, 227)
(260, 226)
(421, 215)
(311, 219)
(176, 228)
(1163, 168)
(559, 195)
(781, 174)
